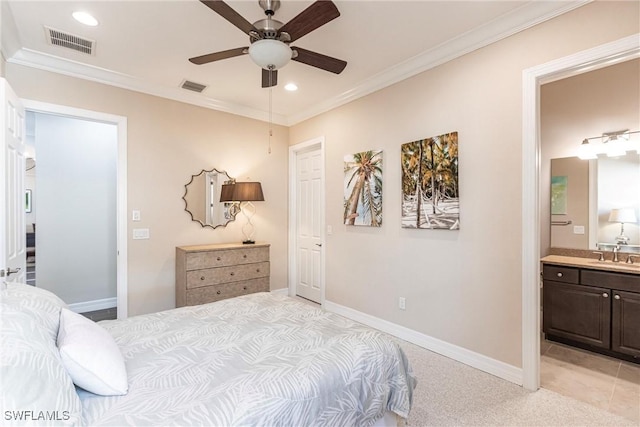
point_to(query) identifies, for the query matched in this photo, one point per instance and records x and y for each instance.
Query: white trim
(281, 291)
(517, 20)
(476, 360)
(293, 202)
(121, 222)
(587, 60)
(98, 304)
(67, 67)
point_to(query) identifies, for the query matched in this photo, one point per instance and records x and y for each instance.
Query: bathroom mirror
(583, 193)
(202, 199)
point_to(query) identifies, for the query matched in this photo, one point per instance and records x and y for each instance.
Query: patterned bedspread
(256, 360)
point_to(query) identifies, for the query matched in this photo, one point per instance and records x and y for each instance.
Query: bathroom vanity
(592, 304)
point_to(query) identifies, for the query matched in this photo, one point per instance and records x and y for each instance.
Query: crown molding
(519, 19)
(46, 62)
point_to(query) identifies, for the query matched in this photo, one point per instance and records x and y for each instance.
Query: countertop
(593, 263)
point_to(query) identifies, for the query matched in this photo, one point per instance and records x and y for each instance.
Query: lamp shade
(624, 215)
(226, 193)
(247, 192)
(270, 54)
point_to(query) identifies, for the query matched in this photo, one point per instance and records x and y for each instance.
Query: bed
(255, 360)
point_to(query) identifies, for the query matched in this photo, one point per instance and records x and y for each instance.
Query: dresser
(207, 273)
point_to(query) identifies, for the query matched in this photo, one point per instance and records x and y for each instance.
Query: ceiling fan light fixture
(270, 54)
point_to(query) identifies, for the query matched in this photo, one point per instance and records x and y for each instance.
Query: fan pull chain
(270, 106)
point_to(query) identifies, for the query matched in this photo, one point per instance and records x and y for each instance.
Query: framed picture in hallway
(363, 189)
(430, 193)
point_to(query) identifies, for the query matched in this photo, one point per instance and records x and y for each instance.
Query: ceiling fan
(270, 38)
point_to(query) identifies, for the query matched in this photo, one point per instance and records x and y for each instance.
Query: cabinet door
(625, 331)
(575, 312)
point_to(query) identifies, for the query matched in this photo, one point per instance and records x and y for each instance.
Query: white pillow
(90, 355)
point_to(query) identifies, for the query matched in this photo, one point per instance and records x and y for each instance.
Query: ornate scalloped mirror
(202, 199)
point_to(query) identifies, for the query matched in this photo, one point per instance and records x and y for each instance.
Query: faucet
(616, 248)
(631, 257)
(600, 255)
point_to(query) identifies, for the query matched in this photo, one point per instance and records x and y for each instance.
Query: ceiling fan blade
(269, 78)
(224, 10)
(217, 56)
(316, 15)
(319, 60)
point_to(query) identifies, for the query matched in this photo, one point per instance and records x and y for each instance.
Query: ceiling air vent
(70, 41)
(196, 87)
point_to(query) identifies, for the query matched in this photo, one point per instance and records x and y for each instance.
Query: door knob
(319, 244)
(9, 272)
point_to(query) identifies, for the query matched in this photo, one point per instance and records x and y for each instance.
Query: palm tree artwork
(363, 189)
(430, 193)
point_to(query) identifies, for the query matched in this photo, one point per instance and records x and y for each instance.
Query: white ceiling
(144, 46)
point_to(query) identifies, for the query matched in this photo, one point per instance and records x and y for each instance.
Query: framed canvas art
(363, 189)
(430, 193)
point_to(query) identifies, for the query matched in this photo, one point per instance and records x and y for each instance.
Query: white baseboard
(282, 291)
(98, 304)
(460, 354)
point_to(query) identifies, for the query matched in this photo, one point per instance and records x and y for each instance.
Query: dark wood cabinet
(592, 309)
(625, 337)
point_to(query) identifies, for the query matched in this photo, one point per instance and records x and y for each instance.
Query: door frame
(294, 150)
(588, 60)
(121, 185)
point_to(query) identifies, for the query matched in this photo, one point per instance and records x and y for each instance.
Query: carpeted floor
(450, 393)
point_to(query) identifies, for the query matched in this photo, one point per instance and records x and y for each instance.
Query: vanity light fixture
(623, 215)
(245, 193)
(613, 144)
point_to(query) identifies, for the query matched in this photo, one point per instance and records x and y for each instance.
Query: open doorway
(77, 222)
(598, 57)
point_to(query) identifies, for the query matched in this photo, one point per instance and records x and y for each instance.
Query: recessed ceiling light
(291, 87)
(85, 18)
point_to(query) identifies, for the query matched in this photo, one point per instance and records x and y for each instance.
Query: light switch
(329, 230)
(140, 233)
(578, 229)
(135, 215)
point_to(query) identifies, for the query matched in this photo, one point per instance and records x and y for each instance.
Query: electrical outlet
(402, 303)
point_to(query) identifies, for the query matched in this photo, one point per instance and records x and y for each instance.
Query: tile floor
(601, 381)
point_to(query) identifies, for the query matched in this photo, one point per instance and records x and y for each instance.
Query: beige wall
(169, 141)
(579, 107)
(463, 287)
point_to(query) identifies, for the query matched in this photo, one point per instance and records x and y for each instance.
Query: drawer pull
(201, 277)
(257, 270)
(559, 274)
(218, 292)
(233, 274)
(616, 296)
(244, 288)
(218, 259)
(605, 295)
(244, 256)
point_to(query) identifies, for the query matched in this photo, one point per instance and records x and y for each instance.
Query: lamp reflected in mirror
(201, 199)
(625, 215)
(246, 193)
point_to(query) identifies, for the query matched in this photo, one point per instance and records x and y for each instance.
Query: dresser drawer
(235, 273)
(560, 274)
(225, 257)
(227, 290)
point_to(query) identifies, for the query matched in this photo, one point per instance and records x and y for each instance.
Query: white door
(309, 223)
(12, 210)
